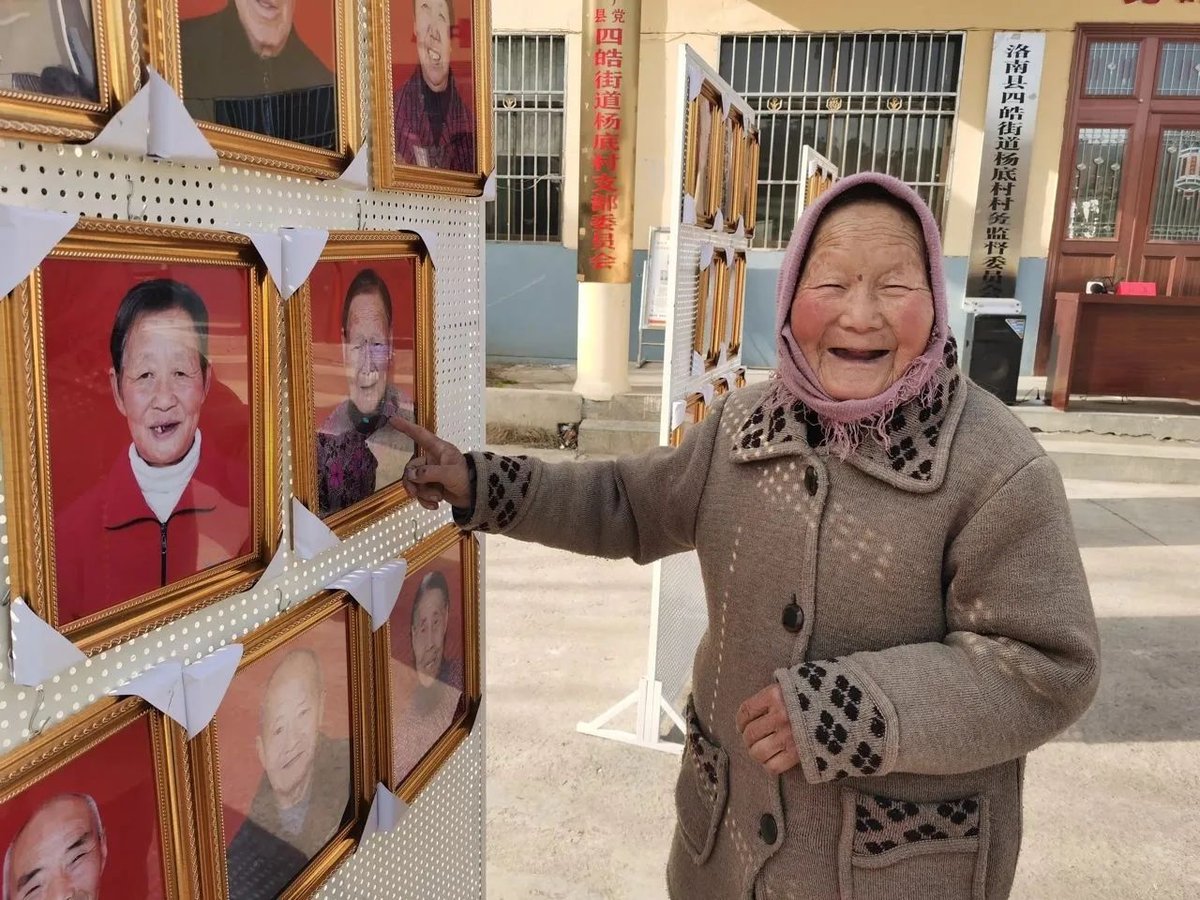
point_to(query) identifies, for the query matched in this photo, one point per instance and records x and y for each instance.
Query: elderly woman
(898, 613)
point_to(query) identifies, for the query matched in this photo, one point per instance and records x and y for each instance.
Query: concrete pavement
(1112, 807)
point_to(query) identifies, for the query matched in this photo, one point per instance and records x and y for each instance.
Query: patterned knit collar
(912, 455)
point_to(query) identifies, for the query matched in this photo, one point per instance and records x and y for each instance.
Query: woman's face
(863, 309)
(367, 352)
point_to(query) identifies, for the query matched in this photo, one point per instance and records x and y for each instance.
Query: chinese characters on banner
(1007, 154)
(608, 128)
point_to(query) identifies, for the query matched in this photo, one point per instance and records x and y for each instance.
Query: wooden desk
(1109, 344)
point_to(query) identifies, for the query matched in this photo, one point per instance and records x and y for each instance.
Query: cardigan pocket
(702, 789)
(894, 848)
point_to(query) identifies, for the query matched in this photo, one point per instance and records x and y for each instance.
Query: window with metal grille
(884, 101)
(530, 93)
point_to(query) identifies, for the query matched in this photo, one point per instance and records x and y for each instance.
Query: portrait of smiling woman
(910, 617)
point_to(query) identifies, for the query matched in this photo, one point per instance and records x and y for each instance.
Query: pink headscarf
(847, 422)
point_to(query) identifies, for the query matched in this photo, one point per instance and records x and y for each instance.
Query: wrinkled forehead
(867, 230)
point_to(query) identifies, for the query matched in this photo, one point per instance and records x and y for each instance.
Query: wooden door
(1124, 211)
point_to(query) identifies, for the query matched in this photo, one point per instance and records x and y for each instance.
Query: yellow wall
(667, 25)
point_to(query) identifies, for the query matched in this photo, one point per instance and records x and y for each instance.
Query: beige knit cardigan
(944, 629)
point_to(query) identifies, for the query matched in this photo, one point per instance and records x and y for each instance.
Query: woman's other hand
(767, 731)
(438, 470)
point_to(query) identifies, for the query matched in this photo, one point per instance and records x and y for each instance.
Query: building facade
(1114, 190)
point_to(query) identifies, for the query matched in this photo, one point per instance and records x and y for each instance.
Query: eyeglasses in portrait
(433, 59)
(281, 754)
(271, 81)
(142, 380)
(86, 810)
(65, 66)
(428, 660)
(362, 356)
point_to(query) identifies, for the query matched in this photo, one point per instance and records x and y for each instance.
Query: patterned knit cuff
(501, 484)
(843, 723)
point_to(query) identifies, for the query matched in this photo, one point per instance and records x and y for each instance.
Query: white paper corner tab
(726, 102)
(688, 216)
(678, 412)
(730, 255)
(173, 133)
(697, 364)
(277, 565)
(128, 131)
(718, 221)
(205, 683)
(26, 236)
(695, 81)
(270, 250)
(723, 359)
(386, 812)
(301, 249)
(162, 687)
(740, 232)
(310, 536)
(708, 392)
(357, 175)
(489, 187)
(39, 652)
(376, 590)
(706, 255)
(430, 237)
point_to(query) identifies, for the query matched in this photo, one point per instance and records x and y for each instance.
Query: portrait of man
(437, 688)
(358, 451)
(434, 127)
(305, 787)
(246, 67)
(59, 852)
(170, 505)
(48, 47)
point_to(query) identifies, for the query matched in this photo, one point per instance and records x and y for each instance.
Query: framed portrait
(65, 67)
(281, 773)
(695, 412)
(704, 147)
(97, 807)
(427, 662)
(706, 334)
(749, 167)
(137, 404)
(739, 378)
(732, 291)
(272, 85)
(433, 59)
(732, 174)
(361, 351)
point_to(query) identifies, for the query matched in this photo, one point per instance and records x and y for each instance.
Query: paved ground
(1112, 807)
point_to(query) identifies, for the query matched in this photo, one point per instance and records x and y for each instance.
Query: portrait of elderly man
(302, 797)
(358, 451)
(438, 684)
(170, 505)
(59, 853)
(48, 47)
(434, 128)
(246, 67)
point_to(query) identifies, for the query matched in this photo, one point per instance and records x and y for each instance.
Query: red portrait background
(313, 23)
(237, 720)
(328, 285)
(118, 773)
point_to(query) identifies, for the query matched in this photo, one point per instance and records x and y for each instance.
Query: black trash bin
(992, 355)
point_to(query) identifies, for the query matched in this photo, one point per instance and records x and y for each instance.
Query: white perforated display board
(437, 850)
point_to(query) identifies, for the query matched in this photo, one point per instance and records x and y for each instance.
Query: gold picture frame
(732, 169)
(749, 170)
(59, 756)
(249, 148)
(27, 411)
(205, 761)
(32, 114)
(704, 152)
(731, 300)
(704, 327)
(357, 246)
(390, 174)
(418, 558)
(694, 413)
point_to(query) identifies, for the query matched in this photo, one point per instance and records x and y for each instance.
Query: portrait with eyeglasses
(364, 359)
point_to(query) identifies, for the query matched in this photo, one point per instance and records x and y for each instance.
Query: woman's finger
(440, 475)
(764, 725)
(770, 746)
(783, 762)
(751, 709)
(422, 437)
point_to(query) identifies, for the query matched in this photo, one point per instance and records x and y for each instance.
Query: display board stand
(655, 300)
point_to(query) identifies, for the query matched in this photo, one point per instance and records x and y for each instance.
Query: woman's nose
(860, 310)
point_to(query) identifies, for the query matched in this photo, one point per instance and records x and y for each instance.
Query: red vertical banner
(608, 133)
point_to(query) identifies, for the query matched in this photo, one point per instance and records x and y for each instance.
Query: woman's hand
(767, 731)
(438, 470)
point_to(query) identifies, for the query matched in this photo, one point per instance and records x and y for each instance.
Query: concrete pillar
(603, 345)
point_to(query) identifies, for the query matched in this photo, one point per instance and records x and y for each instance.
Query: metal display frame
(678, 615)
(437, 849)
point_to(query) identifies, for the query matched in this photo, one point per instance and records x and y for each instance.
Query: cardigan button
(793, 617)
(768, 830)
(810, 481)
